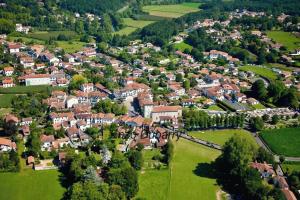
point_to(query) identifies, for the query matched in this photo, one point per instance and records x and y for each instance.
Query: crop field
(261, 71)
(284, 141)
(190, 169)
(290, 41)
(132, 25)
(221, 136)
(30, 184)
(171, 11)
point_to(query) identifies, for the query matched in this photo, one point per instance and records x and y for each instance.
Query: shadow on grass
(206, 170)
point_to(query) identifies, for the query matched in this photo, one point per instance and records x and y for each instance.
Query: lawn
(258, 106)
(26, 89)
(285, 38)
(291, 166)
(261, 71)
(283, 141)
(215, 107)
(71, 46)
(187, 178)
(182, 46)
(220, 136)
(171, 11)
(5, 100)
(131, 25)
(30, 184)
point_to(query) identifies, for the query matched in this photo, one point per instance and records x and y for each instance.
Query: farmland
(171, 11)
(221, 136)
(261, 71)
(132, 25)
(190, 167)
(290, 41)
(283, 141)
(30, 184)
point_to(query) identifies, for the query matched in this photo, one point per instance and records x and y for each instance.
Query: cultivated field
(132, 25)
(171, 11)
(290, 41)
(221, 136)
(283, 141)
(29, 184)
(261, 71)
(188, 177)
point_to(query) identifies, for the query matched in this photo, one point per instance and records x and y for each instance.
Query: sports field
(284, 141)
(188, 177)
(261, 71)
(131, 25)
(221, 136)
(171, 11)
(290, 41)
(29, 184)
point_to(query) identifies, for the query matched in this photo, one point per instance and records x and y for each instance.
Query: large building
(35, 79)
(163, 114)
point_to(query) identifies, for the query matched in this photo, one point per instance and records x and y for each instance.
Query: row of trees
(108, 106)
(197, 119)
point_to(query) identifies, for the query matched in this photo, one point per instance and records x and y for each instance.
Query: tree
(76, 81)
(93, 132)
(179, 78)
(88, 190)
(275, 119)
(136, 159)
(264, 156)
(256, 123)
(258, 90)
(186, 85)
(6, 26)
(116, 193)
(113, 130)
(90, 174)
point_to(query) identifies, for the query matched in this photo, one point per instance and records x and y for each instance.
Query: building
(163, 113)
(22, 29)
(8, 71)
(7, 145)
(8, 82)
(35, 79)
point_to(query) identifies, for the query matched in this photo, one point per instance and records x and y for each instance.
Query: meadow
(171, 11)
(261, 71)
(70, 46)
(132, 25)
(182, 46)
(188, 177)
(221, 136)
(28, 89)
(289, 40)
(30, 184)
(5, 100)
(284, 141)
(45, 35)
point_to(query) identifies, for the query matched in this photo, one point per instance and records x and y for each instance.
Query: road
(202, 142)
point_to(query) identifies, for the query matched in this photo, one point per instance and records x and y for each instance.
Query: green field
(27, 89)
(215, 107)
(171, 11)
(290, 41)
(45, 35)
(29, 184)
(189, 170)
(132, 25)
(71, 46)
(283, 141)
(258, 106)
(182, 46)
(5, 100)
(261, 71)
(221, 136)
(291, 166)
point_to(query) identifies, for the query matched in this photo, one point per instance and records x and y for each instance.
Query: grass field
(182, 46)
(258, 106)
(215, 107)
(171, 11)
(71, 46)
(5, 100)
(290, 41)
(26, 89)
(261, 71)
(221, 136)
(132, 25)
(188, 177)
(29, 184)
(45, 35)
(4, 111)
(291, 166)
(283, 141)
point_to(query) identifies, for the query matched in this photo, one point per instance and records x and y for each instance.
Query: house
(89, 52)
(26, 121)
(87, 87)
(30, 160)
(161, 113)
(22, 29)
(58, 118)
(8, 71)
(49, 58)
(27, 62)
(14, 48)
(265, 170)
(71, 101)
(35, 79)
(7, 145)
(8, 82)
(252, 101)
(46, 142)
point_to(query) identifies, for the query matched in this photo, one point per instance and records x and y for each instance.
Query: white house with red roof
(36, 79)
(8, 82)
(163, 113)
(8, 71)
(7, 145)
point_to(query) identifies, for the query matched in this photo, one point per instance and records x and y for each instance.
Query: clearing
(30, 184)
(182, 46)
(221, 136)
(287, 39)
(132, 25)
(172, 11)
(188, 177)
(284, 141)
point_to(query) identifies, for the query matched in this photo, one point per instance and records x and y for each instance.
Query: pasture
(171, 11)
(261, 71)
(70, 46)
(188, 177)
(287, 39)
(30, 184)
(132, 25)
(221, 136)
(284, 141)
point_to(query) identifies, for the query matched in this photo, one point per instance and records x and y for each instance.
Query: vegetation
(6, 100)
(182, 46)
(132, 25)
(30, 184)
(290, 41)
(283, 141)
(261, 71)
